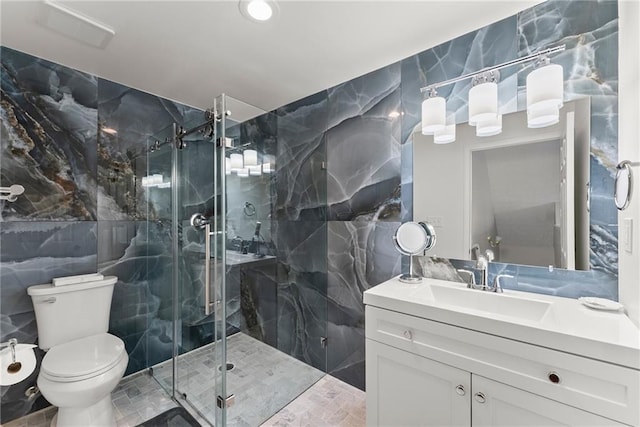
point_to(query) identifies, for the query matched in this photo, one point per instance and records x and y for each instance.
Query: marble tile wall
(367, 150)
(84, 208)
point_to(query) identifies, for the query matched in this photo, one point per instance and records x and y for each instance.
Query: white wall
(629, 149)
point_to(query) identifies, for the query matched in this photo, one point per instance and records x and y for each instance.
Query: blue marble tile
(33, 253)
(363, 148)
(122, 156)
(139, 254)
(302, 289)
(488, 46)
(301, 181)
(49, 124)
(360, 255)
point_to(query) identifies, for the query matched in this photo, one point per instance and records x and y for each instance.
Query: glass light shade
(483, 103)
(267, 168)
(268, 163)
(539, 118)
(434, 115)
(489, 127)
(236, 161)
(250, 158)
(255, 170)
(446, 135)
(227, 166)
(545, 88)
(244, 172)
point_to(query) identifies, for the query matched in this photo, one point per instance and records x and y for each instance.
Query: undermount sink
(492, 303)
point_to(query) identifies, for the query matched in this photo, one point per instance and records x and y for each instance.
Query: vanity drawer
(595, 386)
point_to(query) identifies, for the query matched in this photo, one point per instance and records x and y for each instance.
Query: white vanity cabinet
(421, 372)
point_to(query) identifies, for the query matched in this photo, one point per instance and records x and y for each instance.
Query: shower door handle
(199, 222)
(207, 269)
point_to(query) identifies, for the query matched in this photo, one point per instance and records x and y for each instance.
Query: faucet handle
(469, 277)
(496, 282)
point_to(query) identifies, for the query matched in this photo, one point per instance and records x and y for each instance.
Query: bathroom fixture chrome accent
(482, 264)
(226, 402)
(249, 209)
(413, 238)
(543, 101)
(469, 274)
(11, 193)
(623, 184)
(497, 287)
(199, 222)
(32, 392)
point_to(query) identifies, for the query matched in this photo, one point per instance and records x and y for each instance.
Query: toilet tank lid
(49, 289)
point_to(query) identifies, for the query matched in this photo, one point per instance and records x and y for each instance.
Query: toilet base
(99, 414)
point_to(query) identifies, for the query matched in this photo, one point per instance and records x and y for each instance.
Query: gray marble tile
(360, 256)
(48, 124)
(301, 150)
(363, 148)
(122, 156)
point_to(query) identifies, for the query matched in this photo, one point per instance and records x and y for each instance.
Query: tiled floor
(137, 398)
(264, 380)
(329, 402)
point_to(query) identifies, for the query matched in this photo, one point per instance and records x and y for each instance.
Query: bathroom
(340, 181)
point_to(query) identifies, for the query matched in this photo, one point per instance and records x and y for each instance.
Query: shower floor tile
(263, 380)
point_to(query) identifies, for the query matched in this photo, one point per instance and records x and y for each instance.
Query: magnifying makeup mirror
(414, 238)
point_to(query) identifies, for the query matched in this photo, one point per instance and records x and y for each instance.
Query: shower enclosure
(214, 182)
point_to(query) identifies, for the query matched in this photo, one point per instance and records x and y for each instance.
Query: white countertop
(549, 321)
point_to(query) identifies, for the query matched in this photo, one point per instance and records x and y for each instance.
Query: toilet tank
(70, 312)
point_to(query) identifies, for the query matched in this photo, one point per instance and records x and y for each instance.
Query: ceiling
(191, 51)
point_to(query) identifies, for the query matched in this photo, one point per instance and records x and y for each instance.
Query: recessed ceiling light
(258, 10)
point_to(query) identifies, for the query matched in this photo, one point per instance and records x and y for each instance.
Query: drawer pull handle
(460, 390)
(408, 335)
(480, 398)
(554, 377)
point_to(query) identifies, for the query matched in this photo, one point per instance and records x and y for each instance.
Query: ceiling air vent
(75, 25)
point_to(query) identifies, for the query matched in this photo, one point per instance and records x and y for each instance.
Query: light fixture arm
(539, 56)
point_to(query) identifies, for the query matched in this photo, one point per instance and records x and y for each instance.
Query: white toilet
(83, 363)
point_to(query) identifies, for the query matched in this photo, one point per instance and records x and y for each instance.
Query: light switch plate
(627, 234)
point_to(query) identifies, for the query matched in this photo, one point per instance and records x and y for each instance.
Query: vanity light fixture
(483, 97)
(447, 134)
(236, 162)
(250, 157)
(268, 163)
(544, 96)
(489, 127)
(545, 93)
(243, 173)
(255, 170)
(227, 166)
(434, 113)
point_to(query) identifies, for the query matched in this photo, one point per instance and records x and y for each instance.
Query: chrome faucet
(482, 264)
(496, 283)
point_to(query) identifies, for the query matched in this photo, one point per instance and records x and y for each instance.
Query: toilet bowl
(83, 363)
(79, 376)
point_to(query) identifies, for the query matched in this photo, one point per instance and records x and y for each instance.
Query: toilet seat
(83, 358)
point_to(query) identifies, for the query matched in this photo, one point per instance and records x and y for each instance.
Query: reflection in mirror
(522, 193)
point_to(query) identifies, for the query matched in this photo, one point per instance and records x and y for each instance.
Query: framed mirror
(523, 193)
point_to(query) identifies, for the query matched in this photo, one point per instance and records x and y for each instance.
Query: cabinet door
(497, 404)
(408, 390)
